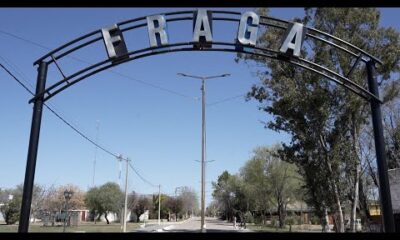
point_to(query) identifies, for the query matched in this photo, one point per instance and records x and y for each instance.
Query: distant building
(394, 180)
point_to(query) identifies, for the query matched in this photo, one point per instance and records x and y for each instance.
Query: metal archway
(249, 23)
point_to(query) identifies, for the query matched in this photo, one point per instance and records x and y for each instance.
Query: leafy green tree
(254, 176)
(272, 182)
(223, 194)
(324, 119)
(104, 199)
(175, 204)
(138, 204)
(11, 209)
(165, 210)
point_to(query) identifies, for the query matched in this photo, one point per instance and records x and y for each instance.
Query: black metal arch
(43, 94)
(95, 36)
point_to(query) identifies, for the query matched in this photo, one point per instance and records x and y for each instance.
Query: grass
(83, 227)
(294, 228)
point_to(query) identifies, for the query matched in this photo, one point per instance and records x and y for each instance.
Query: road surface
(193, 225)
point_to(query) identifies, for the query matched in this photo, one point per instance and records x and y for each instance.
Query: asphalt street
(193, 225)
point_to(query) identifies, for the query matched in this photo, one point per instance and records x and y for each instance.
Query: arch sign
(202, 39)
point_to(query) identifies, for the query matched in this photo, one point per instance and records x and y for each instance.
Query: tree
(12, 206)
(175, 204)
(139, 204)
(190, 200)
(271, 181)
(285, 184)
(11, 210)
(254, 176)
(165, 210)
(104, 199)
(324, 119)
(223, 194)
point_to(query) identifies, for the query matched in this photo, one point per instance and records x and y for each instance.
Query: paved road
(193, 225)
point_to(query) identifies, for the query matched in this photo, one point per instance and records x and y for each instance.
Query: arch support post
(32, 150)
(384, 186)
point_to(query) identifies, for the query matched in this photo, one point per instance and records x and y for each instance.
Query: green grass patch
(83, 227)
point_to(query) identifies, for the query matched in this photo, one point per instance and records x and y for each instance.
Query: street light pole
(67, 196)
(159, 203)
(126, 194)
(203, 144)
(124, 215)
(203, 139)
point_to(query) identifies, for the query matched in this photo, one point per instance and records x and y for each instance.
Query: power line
(16, 79)
(112, 71)
(123, 75)
(225, 100)
(76, 130)
(141, 177)
(58, 115)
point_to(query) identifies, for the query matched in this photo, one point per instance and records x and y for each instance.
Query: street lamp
(67, 195)
(203, 136)
(205, 182)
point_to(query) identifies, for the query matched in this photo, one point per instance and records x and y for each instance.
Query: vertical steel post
(159, 204)
(126, 195)
(65, 213)
(32, 150)
(384, 187)
(203, 110)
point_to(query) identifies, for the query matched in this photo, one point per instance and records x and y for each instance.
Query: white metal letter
(111, 41)
(202, 21)
(295, 31)
(158, 31)
(247, 34)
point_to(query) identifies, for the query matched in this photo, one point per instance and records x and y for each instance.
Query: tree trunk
(281, 215)
(357, 163)
(325, 222)
(339, 206)
(334, 186)
(353, 216)
(340, 227)
(365, 216)
(105, 216)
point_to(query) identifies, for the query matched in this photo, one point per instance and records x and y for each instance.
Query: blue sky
(158, 130)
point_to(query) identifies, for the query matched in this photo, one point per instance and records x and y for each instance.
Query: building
(394, 180)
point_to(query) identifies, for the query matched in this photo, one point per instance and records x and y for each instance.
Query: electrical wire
(110, 70)
(77, 131)
(121, 74)
(141, 177)
(58, 115)
(226, 100)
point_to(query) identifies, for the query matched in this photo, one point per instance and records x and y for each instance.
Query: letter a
(295, 32)
(202, 29)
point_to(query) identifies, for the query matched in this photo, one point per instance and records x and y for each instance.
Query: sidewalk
(152, 225)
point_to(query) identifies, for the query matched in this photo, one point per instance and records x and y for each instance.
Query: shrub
(315, 220)
(11, 211)
(249, 217)
(291, 220)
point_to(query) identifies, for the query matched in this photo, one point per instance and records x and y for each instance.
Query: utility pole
(95, 151)
(203, 139)
(124, 215)
(159, 204)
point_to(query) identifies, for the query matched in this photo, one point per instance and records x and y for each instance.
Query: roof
(298, 206)
(394, 180)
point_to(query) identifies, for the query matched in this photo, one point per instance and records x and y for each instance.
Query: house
(374, 206)
(394, 180)
(301, 209)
